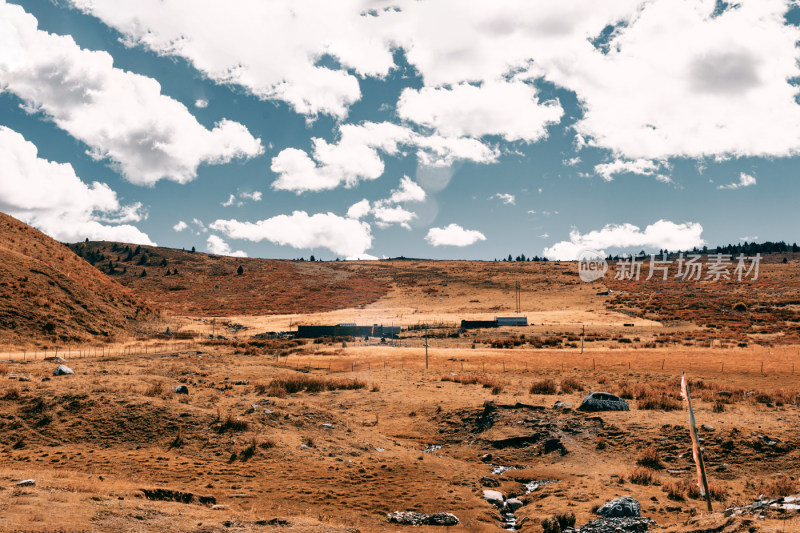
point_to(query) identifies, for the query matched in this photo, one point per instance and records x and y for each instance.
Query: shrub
(649, 457)
(547, 386)
(675, 491)
(231, 423)
(558, 523)
(642, 475)
(781, 486)
(280, 387)
(719, 407)
(662, 403)
(601, 443)
(155, 389)
(569, 385)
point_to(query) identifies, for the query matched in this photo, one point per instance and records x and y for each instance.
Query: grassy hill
(194, 283)
(49, 295)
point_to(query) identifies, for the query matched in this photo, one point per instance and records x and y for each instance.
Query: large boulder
(622, 507)
(603, 401)
(495, 497)
(63, 370)
(411, 518)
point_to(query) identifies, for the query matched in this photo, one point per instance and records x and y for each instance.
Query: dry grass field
(333, 434)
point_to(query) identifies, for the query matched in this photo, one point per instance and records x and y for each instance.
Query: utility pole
(583, 334)
(517, 296)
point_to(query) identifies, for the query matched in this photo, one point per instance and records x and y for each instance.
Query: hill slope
(49, 295)
(188, 283)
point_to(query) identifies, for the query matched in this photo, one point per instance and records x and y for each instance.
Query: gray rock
(63, 370)
(622, 507)
(706, 427)
(616, 525)
(514, 503)
(326, 426)
(603, 401)
(181, 389)
(411, 518)
(26, 483)
(495, 497)
(562, 405)
(24, 378)
(553, 445)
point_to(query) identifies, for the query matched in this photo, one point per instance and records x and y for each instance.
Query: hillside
(194, 283)
(49, 295)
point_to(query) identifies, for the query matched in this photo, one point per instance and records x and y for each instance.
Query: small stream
(509, 522)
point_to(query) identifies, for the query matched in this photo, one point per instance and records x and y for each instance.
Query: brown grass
(280, 387)
(546, 386)
(650, 458)
(642, 475)
(775, 488)
(569, 385)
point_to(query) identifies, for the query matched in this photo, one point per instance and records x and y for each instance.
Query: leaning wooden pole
(702, 482)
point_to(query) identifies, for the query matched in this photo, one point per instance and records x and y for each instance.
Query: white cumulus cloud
(216, 245)
(180, 226)
(341, 235)
(51, 197)
(453, 235)
(745, 180)
(121, 116)
(662, 234)
(643, 167)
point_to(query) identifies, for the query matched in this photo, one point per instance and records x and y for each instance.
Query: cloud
(359, 209)
(407, 192)
(216, 245)
(243, 196)
(642, 167)
(745, 180)
(343, 236)
(751, 238)
(571, 162)
(508, 199)
(662, 234)
(453, 235)
(121, 116)
(509, 109)
(201, 104)
(655, 78)
(356, 156)
(180, 226)
(386, 216)
(254, 196)
(51, 197)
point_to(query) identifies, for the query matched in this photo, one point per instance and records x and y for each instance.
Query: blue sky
(426, 129)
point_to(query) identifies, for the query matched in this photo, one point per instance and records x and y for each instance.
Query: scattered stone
(63, 370)
(554, 445)
(562, 405)
(326, 426)
(495, 497)
(487, 481)
(55, 359)
(26, 483)
(514, 503)
(615, 525)
(430, 448)
(411, 518)
(624, 506)
(181, 389)
(706, 427)
(24, 378)
(219, 507)
(487, 457)
(603, 401)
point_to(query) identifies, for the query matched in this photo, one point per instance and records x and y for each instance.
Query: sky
(443, 129)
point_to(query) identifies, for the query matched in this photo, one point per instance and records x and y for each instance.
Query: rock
(326, 426)
(516, 442)
(495, 497)
(553, 445)
(514, 504)
(24, 378)
(562, 405)
(603, 401)
(442, 519)
(219, 507)
(63, 370)
(617, 525)
(411, 518)
(706, 427)
(486, 457)
(55, 359)
(624, 506)
(181, 389)
(487, 481)
(26, 483)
